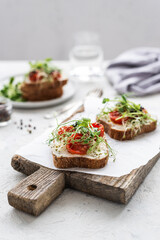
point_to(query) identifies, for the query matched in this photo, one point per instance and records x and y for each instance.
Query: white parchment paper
(129, 154)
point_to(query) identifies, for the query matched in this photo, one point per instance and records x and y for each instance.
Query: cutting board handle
(34, 193)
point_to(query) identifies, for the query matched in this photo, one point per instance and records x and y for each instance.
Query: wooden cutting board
(43, 185)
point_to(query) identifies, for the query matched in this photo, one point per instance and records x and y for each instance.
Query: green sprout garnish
(127, 109)
(12, 91)
(44, 66)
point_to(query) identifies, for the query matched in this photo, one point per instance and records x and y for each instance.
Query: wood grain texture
(117, 189)
(37, 191)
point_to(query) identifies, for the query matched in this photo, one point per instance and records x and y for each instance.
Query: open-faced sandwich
(123, 119)
(43, 82)
(79, 143)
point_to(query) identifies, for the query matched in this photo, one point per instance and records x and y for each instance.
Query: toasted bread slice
(119, 132)
(81, 162)
(63, 159)
(42, 91)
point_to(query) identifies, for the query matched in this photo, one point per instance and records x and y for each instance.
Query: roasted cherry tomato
(33, 76)
(76, 147)
(40, 77)
(114, 117)
(56, 75)
(100, 128)
(64, 129)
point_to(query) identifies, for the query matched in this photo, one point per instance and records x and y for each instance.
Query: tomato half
(64, 129)
(33, 76)
(56, 75)
(76, 147)
(114, 117)
(100, 128)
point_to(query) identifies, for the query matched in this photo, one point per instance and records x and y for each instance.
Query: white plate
(68, 92)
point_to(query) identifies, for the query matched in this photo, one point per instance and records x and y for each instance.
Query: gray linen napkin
(136, 71)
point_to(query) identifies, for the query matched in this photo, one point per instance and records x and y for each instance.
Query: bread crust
(43, 90)
(81, 162)
(122, 135)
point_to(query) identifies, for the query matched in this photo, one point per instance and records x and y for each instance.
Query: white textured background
(32, 29)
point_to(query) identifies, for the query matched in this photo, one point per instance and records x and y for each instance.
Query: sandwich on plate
(42, 82)
(79, 143)
(123, 119)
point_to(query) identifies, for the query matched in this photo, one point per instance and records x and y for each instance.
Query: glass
(86, 58)
(5, 111)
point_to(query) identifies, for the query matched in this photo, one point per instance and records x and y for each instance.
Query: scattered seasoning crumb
(22, 124)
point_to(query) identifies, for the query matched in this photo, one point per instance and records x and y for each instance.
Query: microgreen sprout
(126, 108)
(43, 66)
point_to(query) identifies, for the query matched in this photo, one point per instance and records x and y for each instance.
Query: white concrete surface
(41, 28)
(74, 215)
